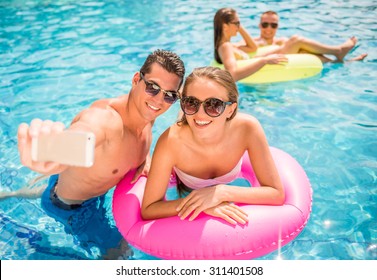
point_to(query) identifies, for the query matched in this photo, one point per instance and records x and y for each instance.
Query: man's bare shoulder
(109, 102)
(103, 113)
(101, 103)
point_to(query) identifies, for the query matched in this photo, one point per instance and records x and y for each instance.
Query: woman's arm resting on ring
(229, 212)
(154, 205)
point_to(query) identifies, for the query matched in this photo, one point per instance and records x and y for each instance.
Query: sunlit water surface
(57, 57)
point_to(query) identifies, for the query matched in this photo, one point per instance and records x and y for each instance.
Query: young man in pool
(268, 26)
(123, 130)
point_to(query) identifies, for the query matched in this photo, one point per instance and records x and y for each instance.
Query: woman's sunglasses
(152, 89)
(236, 23)
(266, 24)
(212, 106)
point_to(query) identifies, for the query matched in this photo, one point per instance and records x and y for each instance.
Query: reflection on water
(57, 57)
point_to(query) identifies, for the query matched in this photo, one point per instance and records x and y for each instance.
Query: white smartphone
(74, 148)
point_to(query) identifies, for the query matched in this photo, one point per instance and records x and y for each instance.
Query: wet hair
(224, 15)
(221, 77)
(168, 60)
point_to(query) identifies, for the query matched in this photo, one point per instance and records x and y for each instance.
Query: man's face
(267, 24)
(152, 89)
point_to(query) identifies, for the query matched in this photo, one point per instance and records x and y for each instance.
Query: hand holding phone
(75, 148)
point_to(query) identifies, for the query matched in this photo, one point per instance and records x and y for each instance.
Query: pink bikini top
(198, 183)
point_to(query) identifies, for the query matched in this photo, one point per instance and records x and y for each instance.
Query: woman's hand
(198, 201)
(276, 59)
(230, 212)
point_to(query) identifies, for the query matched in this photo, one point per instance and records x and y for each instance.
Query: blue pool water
(57, 57)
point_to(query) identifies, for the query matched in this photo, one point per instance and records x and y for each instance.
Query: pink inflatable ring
(269, 227)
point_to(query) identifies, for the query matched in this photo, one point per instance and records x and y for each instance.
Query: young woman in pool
(227, 24)
(205, 150)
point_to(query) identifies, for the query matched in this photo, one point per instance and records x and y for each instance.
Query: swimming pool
(59, 56)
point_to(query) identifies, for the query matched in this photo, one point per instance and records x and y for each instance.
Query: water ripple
(57, 57)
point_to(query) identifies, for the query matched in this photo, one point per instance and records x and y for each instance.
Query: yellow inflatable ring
(299, 66)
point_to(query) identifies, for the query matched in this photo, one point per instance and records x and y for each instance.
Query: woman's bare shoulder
(226, 46)
(246, 119)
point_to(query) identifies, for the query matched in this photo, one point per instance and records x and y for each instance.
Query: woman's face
(233, 26)
(201, 122)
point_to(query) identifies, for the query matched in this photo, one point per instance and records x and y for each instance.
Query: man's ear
(136, 78)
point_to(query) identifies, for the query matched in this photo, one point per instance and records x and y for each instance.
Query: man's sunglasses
(266, 24)
(212, 106)
(152, 89)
